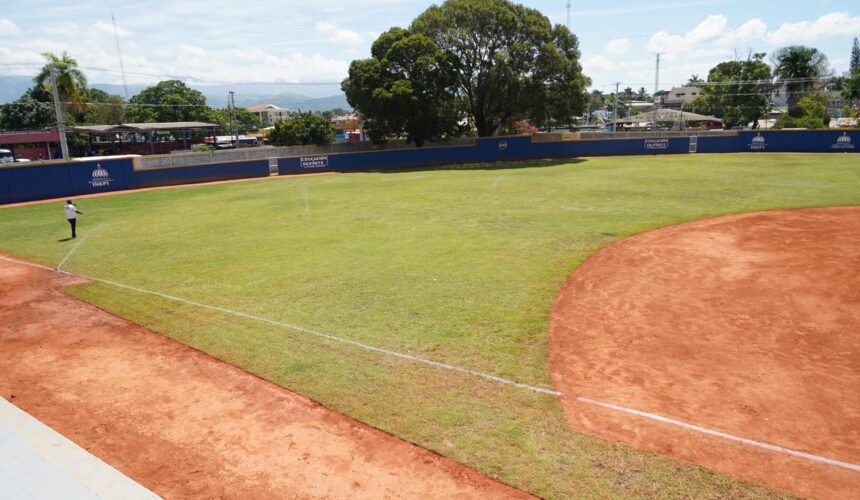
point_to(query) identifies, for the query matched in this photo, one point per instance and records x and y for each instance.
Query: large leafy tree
(855, 56)
(33, 110)
(168, 101)
(557, 86)
(811, 113)
(736, 91)
(302, 129)
(500, 54)
(800, 69)
(245, 120)
(71, 82)
(406, 86)
(104, 108)
(851, 91)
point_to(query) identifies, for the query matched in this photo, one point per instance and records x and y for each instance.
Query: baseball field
(390, 296)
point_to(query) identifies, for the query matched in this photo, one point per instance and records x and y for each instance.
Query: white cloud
(591, 64)
(99, 62)
(617, 46)
(63, 29)
(714, 32)
(833, 24)
(107, 29)
(8, 28)
(338, 35)
(643, 7)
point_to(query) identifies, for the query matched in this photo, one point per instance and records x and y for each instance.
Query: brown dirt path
(186, 425)
(746, 324)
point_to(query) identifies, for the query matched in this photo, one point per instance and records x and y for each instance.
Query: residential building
(348, 127)
(679, 96)
(269, 113)
(669, 119)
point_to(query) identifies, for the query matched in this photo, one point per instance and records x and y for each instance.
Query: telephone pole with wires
(656, 90)
(615, 108)
(61, 116)
(231, 112)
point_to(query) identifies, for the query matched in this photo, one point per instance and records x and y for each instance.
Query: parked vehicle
(6, 156)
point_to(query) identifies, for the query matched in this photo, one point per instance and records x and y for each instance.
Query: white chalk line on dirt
(730, 437)
(486, 376)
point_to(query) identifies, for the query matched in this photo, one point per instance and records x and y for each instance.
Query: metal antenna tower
(118, 52)
(568, 15)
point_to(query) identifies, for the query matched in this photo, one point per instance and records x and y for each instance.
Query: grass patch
(458, 265)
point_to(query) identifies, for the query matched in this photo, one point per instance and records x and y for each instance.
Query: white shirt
(70, 211)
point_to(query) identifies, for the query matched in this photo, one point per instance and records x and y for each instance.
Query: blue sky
(224, 42)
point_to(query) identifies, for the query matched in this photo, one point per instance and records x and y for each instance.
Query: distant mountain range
(299, 97)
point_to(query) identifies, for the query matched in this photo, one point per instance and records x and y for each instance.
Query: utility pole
(61, 117)
(656, 90)
(231, 112)
(615, 109)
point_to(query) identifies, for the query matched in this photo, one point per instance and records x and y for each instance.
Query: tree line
(740, 91)
(166, 101)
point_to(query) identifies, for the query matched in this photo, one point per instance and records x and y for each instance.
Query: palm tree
(71, 82)
(799, 68)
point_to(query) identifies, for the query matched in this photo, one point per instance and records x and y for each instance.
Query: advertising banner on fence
(320, 161)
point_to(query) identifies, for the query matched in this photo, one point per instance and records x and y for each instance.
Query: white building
(269, 113)
(678, 96)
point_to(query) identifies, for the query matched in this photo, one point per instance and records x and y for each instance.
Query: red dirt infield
(186, 425)
(747, 324)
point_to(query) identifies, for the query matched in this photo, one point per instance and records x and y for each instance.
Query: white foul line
(307, 207)
(60, 265)
(308, 331)
(335, 338)
(730, 437)
(493, 378)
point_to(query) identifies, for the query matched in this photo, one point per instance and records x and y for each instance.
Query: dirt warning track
(186, 425)
(748, 325)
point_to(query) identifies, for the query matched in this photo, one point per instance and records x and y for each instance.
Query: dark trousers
(73, 222)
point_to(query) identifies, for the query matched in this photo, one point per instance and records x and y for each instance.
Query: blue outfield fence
(22, 182)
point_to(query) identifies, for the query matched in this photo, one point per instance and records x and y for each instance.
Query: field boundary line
(724, 435)
(72, 251)
(475, 373)
(301, 329)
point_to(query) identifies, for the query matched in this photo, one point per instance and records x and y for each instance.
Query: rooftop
(144, 127)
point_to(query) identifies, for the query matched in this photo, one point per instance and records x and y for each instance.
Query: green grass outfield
(458, 265)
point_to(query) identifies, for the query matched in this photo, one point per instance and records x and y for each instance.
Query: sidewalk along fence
(26, 182)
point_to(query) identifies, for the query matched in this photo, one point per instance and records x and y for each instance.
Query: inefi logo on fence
(101, 177)
(656, 143)
(314, 161)
(843, 142)
(758, 143)
(503, 145)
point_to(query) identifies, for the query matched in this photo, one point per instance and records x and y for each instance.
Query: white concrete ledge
(38, 463)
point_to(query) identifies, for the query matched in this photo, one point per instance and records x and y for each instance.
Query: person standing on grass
(72, 216)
